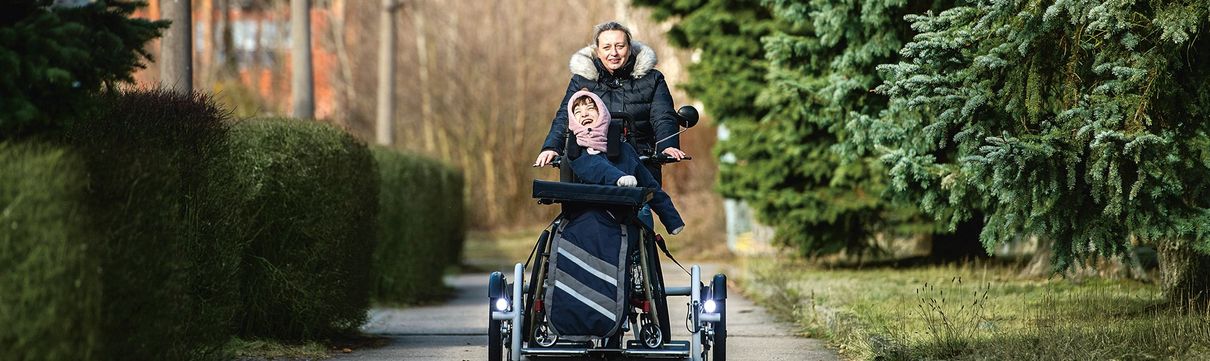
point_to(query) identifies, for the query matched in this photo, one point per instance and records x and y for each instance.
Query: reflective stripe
(600, 298)
(585, 300)
(595, 272)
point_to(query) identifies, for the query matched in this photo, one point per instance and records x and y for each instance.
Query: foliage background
(55, 58)
(785, 78)
(1081, 122)
(50, 294)
(478, 83)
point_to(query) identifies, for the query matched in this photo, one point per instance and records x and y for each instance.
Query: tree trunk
(621, 15)
(426, 91)
(176, 50)
(255, 69)
(1040, 263)
(227, 41)
(348, 90)
(302, 84)
(1184, 273)
(385, 128)
(205, 62)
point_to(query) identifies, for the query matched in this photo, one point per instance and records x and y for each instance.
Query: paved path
(456, 330)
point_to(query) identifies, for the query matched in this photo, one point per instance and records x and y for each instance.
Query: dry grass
(498, 250)
(705, 235)
(977, 312)
(242, 349)
(704, 238)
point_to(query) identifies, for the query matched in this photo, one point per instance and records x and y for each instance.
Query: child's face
(586, 113)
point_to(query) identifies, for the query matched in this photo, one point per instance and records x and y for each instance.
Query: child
(589, 121)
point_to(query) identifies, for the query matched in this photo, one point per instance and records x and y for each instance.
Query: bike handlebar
(660, 159)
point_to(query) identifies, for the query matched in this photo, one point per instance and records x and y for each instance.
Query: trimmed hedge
(49, 289)
(312, 198)
(157, 230)
(421, 228)
(168, 244)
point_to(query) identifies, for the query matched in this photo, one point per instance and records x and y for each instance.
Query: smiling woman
(622, 72)
(613, 45)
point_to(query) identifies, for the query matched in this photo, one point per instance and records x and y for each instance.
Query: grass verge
(500, 250)
(976, 312)
(255, 349)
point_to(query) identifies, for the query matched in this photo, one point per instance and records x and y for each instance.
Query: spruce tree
(52, 59)
(729, 67)
(797, 165)
(1081, 122)
(786, 100)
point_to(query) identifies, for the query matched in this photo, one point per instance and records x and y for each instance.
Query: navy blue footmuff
(586, 292)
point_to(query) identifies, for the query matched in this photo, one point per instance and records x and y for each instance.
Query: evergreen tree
(1082, 122)
(796, 165)
(787, 113)
(729, 69)
(53, 58)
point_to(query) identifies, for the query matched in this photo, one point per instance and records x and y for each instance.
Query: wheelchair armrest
(562, 192)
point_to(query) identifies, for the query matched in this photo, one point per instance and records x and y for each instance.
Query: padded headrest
(613, 146)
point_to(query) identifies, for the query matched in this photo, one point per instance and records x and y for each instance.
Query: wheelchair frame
(516, 327)
(516, 315)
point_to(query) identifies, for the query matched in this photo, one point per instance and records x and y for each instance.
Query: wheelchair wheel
(536, 291)
(719, 341)
(495, 340)
(660, 299)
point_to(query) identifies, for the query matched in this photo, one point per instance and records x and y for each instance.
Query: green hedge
(421, 228)
(167, 241)
(49, 289)
(312, 198)
(156, 230)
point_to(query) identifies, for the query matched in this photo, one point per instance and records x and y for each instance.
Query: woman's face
(585, 113)
(613, 49)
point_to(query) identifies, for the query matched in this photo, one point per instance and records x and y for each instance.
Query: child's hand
(545, 158)
(628, 181)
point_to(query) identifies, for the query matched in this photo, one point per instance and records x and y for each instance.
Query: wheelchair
(529, 318)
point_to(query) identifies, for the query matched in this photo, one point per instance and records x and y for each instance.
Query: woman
(622, 73)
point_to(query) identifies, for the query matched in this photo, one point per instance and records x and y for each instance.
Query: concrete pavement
(457, 330)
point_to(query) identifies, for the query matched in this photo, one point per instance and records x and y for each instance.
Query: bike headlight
(501, 304)
(710, 306)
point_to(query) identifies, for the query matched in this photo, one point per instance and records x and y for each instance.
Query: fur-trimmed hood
(582, 61)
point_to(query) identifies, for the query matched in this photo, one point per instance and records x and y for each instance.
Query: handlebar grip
(553, 162)
(662, 159)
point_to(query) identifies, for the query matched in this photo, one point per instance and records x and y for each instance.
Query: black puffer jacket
(636, 88)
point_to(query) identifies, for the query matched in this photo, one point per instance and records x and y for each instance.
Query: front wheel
(495, 340)
(719, 346)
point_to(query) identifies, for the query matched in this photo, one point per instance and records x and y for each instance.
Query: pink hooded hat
(593, 135)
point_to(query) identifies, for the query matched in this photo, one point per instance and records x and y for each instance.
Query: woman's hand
(674, 153)
(545, 158)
